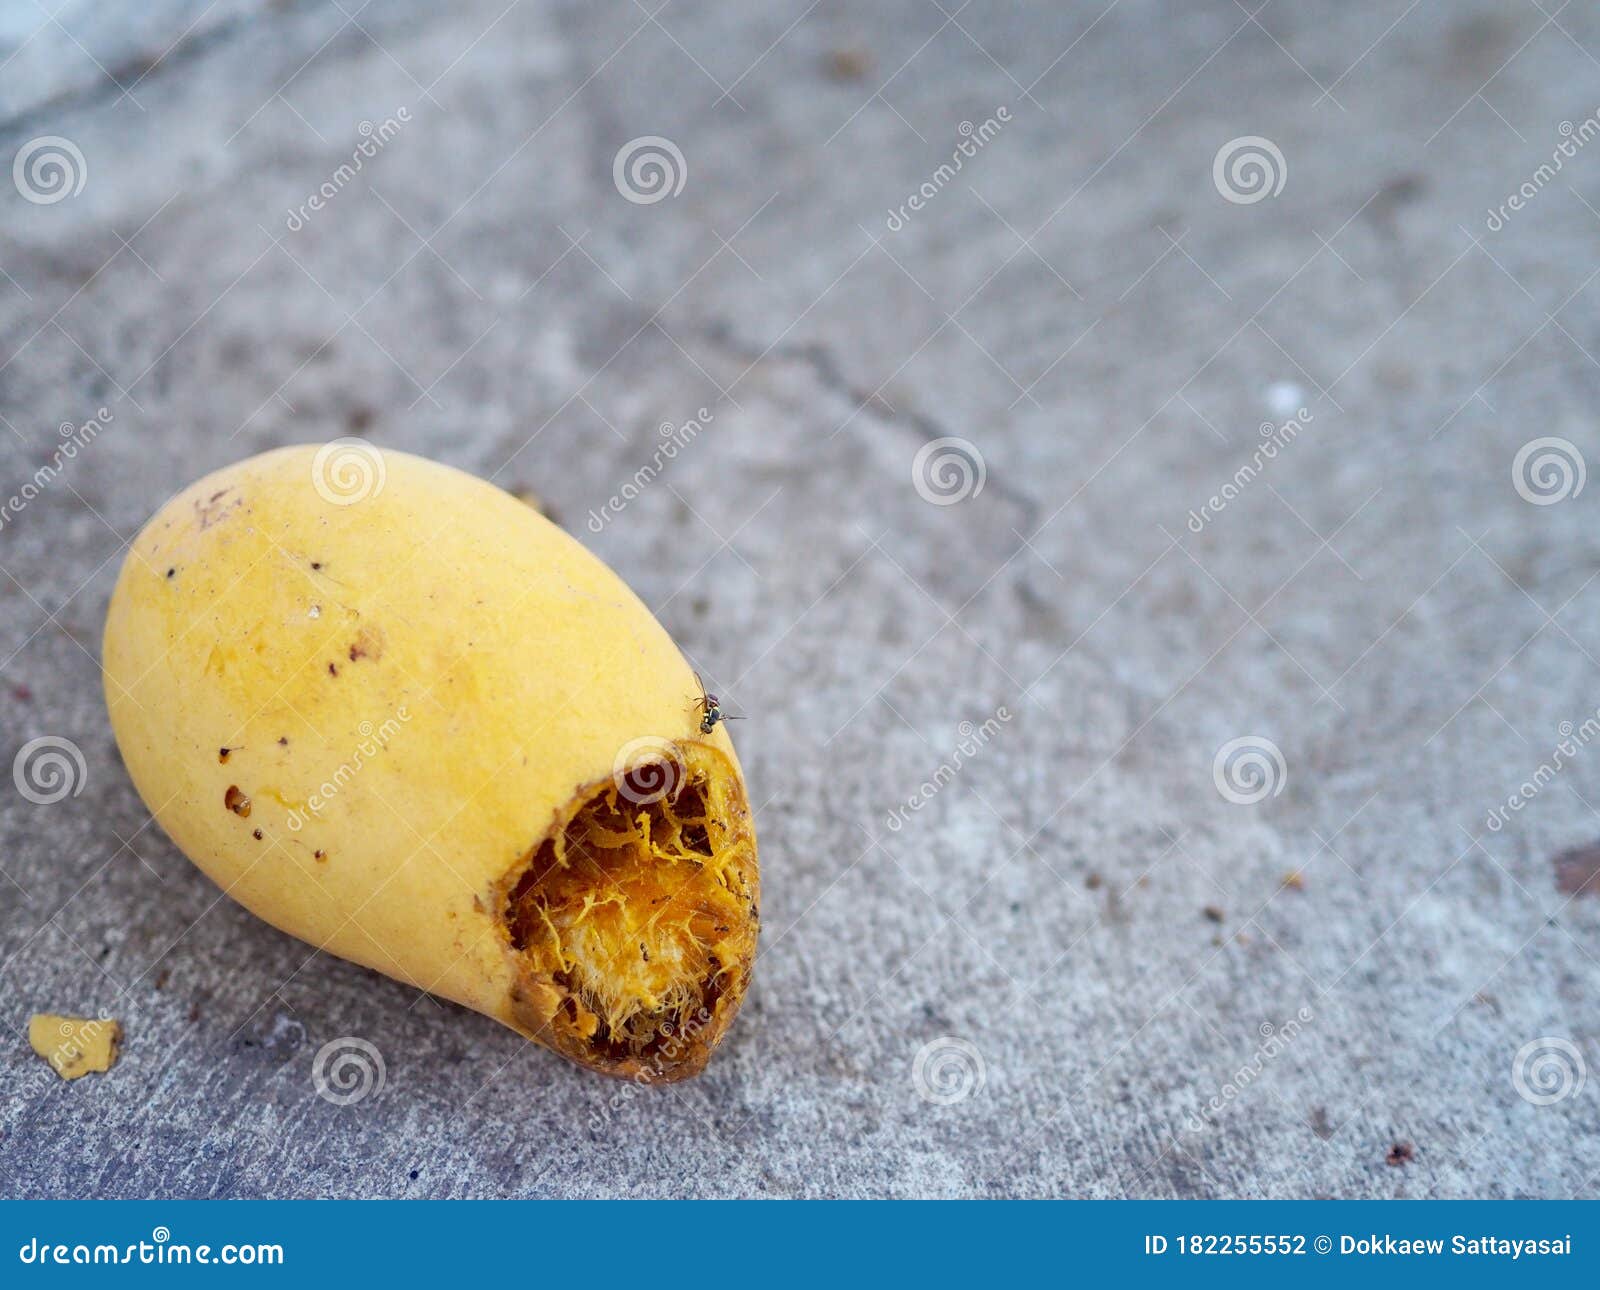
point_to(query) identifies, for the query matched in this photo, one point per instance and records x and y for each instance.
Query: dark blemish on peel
(369, 644)
(333, 669)
(222, 755)
(316, 564)
(319, 855)
(283, 741)
(236, 801)
(172, 573)
(256, 834)
(214, 511)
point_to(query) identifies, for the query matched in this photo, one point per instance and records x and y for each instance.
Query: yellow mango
(400, 715)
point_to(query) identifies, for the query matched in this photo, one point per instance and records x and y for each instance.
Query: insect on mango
(710, 708)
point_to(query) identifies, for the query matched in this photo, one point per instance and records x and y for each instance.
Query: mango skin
(451, 663)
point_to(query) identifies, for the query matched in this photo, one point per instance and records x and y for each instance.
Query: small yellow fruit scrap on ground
(456, 749)
(74, 1046)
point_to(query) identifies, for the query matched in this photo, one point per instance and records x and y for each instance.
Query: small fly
(710, 708)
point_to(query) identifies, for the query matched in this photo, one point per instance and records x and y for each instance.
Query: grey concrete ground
(1086, 963)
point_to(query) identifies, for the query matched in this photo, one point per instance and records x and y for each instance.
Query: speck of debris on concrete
(1402, 1153)
(1578, 871)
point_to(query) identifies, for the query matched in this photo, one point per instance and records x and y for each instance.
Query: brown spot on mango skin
(368, 644)
(75, 1046)
(237, 802)
(214, 510)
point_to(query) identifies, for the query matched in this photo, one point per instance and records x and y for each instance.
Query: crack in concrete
(830, 374)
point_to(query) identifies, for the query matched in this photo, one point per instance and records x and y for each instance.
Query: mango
(400, 715)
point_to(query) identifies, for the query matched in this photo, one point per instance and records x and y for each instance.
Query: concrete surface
(1078, 913)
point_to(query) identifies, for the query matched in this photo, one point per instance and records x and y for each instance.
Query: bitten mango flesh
(75, 1046)
(400, 715)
